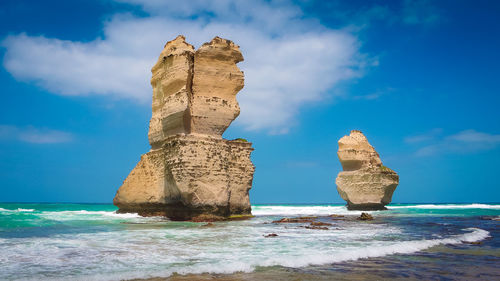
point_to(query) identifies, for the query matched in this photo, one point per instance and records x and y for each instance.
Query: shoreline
(440, 262)
(425, 242)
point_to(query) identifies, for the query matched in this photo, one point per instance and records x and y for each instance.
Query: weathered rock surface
(191, 171)
(194, 92)
(365, 183)
(216, 82)
(172, 82)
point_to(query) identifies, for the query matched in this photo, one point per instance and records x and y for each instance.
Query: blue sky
(419, 78)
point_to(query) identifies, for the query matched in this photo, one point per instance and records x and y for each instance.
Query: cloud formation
(467, 141)
(34, 135)
(289, 61)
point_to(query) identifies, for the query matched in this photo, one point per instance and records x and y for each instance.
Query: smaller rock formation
(295, 220)
(365, 183)
(319, 223)
(335, 216)
(316, 227)
(365, 217)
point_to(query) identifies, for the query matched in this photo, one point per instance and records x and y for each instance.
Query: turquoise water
(92, 242)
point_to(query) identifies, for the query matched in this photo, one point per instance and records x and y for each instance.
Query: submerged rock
(207, 218)
(473, 242)
(191, 172)
(365, 217)
(319, 223)
(364, 182)
(295, 220)
(336, 217)
(316, 227)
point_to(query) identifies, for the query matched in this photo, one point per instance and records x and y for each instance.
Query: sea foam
(86, 215)
(16, 210)
(447, 206)
(225, 266)
(189, 249)
(285, 210)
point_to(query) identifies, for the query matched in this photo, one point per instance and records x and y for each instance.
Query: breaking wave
(18, 210)
(85, 215)
(217, 264)
(447, 206)
(285, 210)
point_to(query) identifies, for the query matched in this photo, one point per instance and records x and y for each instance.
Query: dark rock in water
(307, 218)
(294, 220)
(271, 235)
(319, 223)
(207, 218)
(240, 217)
(493, 218)
(208, 225)
(336, 216)
(317, 227)
(365, 217)
(366, 207)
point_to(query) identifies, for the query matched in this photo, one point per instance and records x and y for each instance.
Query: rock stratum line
(191, 172)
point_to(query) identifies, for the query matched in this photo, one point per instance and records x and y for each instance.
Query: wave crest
(228, 267)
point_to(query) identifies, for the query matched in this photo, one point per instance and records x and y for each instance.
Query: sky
(418, 78)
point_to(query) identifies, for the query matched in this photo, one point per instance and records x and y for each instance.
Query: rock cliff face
(191, 171)
(365, 183)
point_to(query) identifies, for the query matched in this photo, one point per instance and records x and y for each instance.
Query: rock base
(366, 207)
(188, 177)
(367, 190)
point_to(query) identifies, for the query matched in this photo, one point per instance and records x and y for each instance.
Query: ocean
(408, 241)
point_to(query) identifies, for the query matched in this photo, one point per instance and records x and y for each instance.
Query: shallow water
(92, 242)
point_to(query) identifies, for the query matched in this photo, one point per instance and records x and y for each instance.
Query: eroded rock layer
(172, 82)
(191, 171)
(215, 85)
(365, 184)
(190, 175)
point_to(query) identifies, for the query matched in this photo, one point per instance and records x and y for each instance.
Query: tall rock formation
(191, 171)
(365, 183)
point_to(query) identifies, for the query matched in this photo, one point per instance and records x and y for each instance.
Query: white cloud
(75, 68)
(467, 141)
(34, 135)
(289, 61)
(474, 137)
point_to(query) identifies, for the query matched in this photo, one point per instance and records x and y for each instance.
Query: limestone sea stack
(191, 171)
(365, 183)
